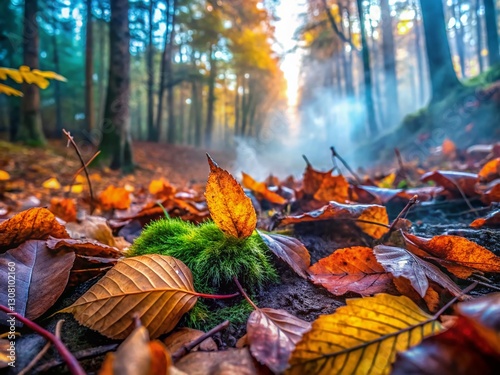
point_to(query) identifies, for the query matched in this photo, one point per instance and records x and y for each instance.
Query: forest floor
(185, 168)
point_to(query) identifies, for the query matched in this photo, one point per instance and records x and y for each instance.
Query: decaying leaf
(313, 179)
(492, 220)
(52, 183)
(261, 188)
(40, 276)
(159, 289)
(333, 188)
(33, 224)
(290, 250)
(354, 269)
(92, 227)
(183, 336)
(454, 181)
(115, 198)
(65, 208)
(84, 247)
(229, 207)
(362, 337)
(490, 171)
(402, 263)
(272, 336)
(364, 215)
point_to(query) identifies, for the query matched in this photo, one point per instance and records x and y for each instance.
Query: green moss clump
(213, 257)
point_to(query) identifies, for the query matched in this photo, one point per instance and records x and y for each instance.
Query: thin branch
(336, 29)
(80, 170)
(244, 294)
(356, 177)
(73, 365)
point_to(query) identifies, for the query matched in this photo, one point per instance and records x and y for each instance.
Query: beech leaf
(261, 188)
(159, 289)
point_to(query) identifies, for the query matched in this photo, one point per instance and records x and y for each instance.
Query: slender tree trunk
(367, 74)
(196, 108)
(152, 136)
(492, 31)
(443, 76)
(420, 58)
(237, 106)
(102, 64)
(211, 98)
(390, 74)
(163, 74)
(479, 36)
(459, 36)
(56, 83)
(89, 70)
(116, 140)
(170, 78)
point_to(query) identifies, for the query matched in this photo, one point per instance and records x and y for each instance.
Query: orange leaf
(333, 188)
(448, 148)
(115, 197)
(230, 208)
(491, 220)
(313, 179)
(490, 171)
(64, 208)
(453, 181)
(161, 188)
(354, 269)
(261, 188)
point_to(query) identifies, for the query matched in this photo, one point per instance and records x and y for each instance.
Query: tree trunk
(210, 99)
(102, 70)
(420, 59)
(196, 110)
(116, 139)
(389, 56)
(459, 36)
(479, 36)
(170, 78)
(56, 83)
(491, 31)
(89, 70)
(163, 74)
(367, 74)
(31, 130)
(442, 74)
(152, 136)
(237, 106)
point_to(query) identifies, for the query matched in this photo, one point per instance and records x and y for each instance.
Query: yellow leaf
(7, 90)
(76, 189)
(387, 181)
(13, 74)
(261, 188)
(230, 208)
(49, 75)
(159, 289)
(362, 337)
(51, 183)
(4, 176)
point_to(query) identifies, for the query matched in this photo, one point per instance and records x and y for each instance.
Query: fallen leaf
(229, 207)
(84, 247)
(490, 171)
(431, 299)
(261, 188)
(272, 336)
(161, 188)
(362, 337)
(4, 176)
(92, 227)
(373, 194)
(454, 181)
(33, 224)
(492, 220)
(362, 215)
(402, 263)
(52, 184)
(290, 250)
(333, 188)
(159, 289)
(40, 275)
(313, 179)
(387, 181)
(448, 148)
(63, 208)
(115, 198)
(354, 269)
(183, 336)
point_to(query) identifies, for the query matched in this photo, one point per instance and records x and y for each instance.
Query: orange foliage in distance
(261, 188)
(115, 198)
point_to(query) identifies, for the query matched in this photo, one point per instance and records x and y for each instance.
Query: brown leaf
(431, 300)
(63, 208)
(84, 247)
(261, 188)
(333, 188)
(354, 269)
(33, 224)
(336, 211)
(272, 336)
(183, 336)
(458, 250)
(230, 208)
(374, 194)
(313, 179)
(490, 171)
(115, 198)
(159, 289)
(454, 181)
(92, 227)
(402, 263)
(290, 250)
(492, 220)
(40, 275)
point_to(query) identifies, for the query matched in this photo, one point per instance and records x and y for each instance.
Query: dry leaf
(313, 179)
(33, 224)
(492, 220)
(63, 208)
(230, 208)
(454, 181)
(115, 198)
(362, 337)
(290, 250)
(183, 336)
(272, 336)
(261, 188)
(490, 171)
(354, 269)
(157, 288)
(84, 247)
(41, 276)
(333, 188)
(92, 227)
(51, 183)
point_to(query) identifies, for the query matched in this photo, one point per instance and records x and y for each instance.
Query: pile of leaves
(412, 294)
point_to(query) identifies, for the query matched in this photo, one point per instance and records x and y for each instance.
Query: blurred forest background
(205, 72)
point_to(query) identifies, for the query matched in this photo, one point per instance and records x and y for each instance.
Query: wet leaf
(40, 274)
(333, 188)
(33, 224)
(290, 250)
(362, 337)
(454, 181)
(336, 211)
(272, 336)
(157, 288)
(115, 198)
(230, 208)
(402, 263)
(354, 269)
(492, 220)
(261, 188)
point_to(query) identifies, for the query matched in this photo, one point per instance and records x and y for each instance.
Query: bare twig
(467, 201)
(454, 299)
(402, 168)
(73, 365)
(80, 170)
(356, 177)
(336, 29)
(72, 142)
(44, 350)
(235, 279)
(185, 349)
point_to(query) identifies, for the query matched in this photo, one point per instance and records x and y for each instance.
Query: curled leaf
(261, 188)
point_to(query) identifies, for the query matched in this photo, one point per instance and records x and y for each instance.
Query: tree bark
(116, 140)
(89, 70)
(170, 77)
(196, 111)
(420, 58)
(31, 131)
(367, 74)
(210, 99)
(442, 74)
(479, 36)
(389, 57)
(459, 36)
(163, 74)
(152, 136)
(492, 31)
(102, 63)
(56, 83)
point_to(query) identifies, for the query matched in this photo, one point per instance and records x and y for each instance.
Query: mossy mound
(213, 258)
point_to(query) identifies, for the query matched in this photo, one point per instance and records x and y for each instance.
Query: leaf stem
(73, 365)
(244, 294)
(216, 296)
(356, 177)
(454, 299)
